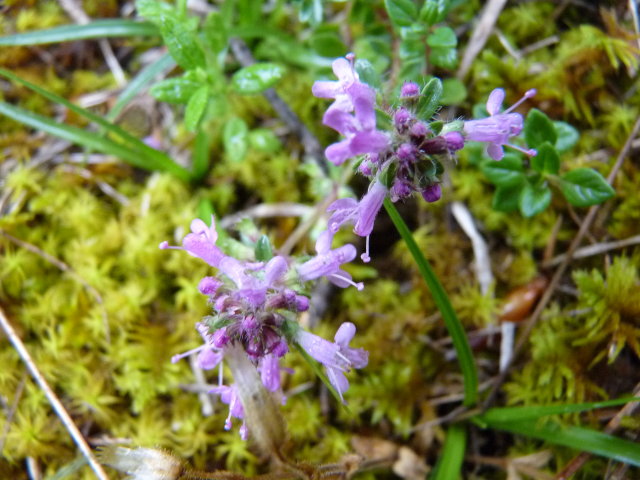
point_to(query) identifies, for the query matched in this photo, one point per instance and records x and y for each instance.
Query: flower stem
(451, 321)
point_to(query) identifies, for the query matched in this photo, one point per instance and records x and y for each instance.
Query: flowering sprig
(255, 305)
(407, 158)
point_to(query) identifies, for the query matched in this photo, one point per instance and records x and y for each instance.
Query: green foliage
(529, 191)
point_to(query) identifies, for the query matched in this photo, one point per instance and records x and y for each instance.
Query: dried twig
(480, 35)
(264, 210)
(596, 249)
(79, 16)
(546, 297)
(312, 146)
(52, 397)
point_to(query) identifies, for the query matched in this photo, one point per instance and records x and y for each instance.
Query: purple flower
(498, 127)
(327, 263)
(229, 395)
(359, 128)
(362, 214)
(337, 357)
(269, 368)
(201, 242)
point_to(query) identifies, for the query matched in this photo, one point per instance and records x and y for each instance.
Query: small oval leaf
(256, 78)
(584, 187)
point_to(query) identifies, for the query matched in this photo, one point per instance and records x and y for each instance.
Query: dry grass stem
(55, 402)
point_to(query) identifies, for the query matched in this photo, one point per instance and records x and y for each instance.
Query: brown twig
(52, 397)
(480, 35)
(311, 145)
(546, 297)
(75, 11)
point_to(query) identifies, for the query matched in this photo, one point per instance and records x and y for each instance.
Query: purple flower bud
(406, 153)
(409, 89)
(419, 130)
(302, 303)
(400, 189)
(432, 193)
(402, 118)
(455, 141)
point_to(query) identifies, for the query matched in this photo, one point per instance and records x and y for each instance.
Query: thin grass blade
(455, 328)
(578, 438)
(153, 159)
(75, 135)
(515, 414)
(450, 462)
(96, 29)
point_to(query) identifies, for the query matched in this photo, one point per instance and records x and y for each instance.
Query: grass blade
(143, 78)
(515, 414)
(145, 156)
(455, 328)
(450, 462)
(579, 438)
(73, 134)
(96, 29)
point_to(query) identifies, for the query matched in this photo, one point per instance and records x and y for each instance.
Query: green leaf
(505, 199)
(179, 33)
(450, 461)
(201, 155)
(584, 187)
(429, 99)
(401, 12)
(453, 92)
(327, 42)
(175, 90)
(506, 172)
(256, 78)
(234, 138)
(264, 252)
(216, 33)
(513, 414)
(264, 140)
(534, 199)
(311, 11)
(451, 321)
(567, 136)
(152, 159)
(444, 57)
(195, 108)
(146, 76)
(578, 438)
(547, 160)
(539, 129)
(69, 33)
(442, 37)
